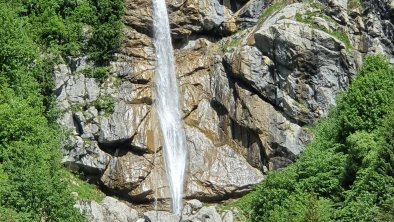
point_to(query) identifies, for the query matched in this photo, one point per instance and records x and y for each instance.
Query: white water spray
(167, 105)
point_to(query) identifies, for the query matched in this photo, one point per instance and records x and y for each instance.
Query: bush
(367, 100)
(99, 73)
(34, 34)
(58, 25)
(31, 185)
(107, 34)
(106, 104)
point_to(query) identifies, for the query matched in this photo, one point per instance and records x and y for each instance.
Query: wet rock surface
(246, 98)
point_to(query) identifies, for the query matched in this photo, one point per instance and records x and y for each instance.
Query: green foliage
(232, 43)
(271, 9)
(368, 99)
(347, 172)
(386, 211)
(272, 193)
(73, 27)
(343, 37)
(9, 215)
(31, 183)
(105, 104)
(99, 73)
(308, 18)
(353, 4)
(84, 190)
(107, 34)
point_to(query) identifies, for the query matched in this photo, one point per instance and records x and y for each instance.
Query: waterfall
(167, 105)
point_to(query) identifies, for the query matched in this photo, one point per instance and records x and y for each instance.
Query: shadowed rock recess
(251, 79)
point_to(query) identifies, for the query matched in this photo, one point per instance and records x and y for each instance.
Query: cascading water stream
(167, 105)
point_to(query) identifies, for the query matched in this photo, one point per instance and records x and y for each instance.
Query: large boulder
(108, 210)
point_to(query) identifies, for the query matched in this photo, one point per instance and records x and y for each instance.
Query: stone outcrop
(246, 98)
(112, 210)
(109, 210)
(187, 17)
(297, 68)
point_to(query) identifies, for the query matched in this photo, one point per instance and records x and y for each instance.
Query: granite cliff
(253, 75)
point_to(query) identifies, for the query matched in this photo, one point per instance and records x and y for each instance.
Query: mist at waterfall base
(167, 105)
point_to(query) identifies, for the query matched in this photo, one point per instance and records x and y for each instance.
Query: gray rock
(279, 136)
(67, 121)
(135, 93)
(194, 204)
(78, 64)
(126, 172)
(75, 89)
(216, 171)
(374, 26)
(248, 15)
(287, 12)
(205, 214)
(191, 207)
(228, 216)
(61, 74)
(304, 90)
(248, 64)
(109, 210)
(341, 3)
(212, 13)
(121, 125)
(86, 156)
(161, 216)
(92, 89)
(121, 69)
(321, 22)
(243, 116)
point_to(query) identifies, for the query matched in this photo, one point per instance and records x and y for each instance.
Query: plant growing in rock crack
(232, 43)
(271, 9)
(308, 18)
(99, 73)
(353, 4)
(105, 104)
(343, 37)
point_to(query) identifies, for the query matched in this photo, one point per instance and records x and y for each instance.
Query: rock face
(109, 210)
(310, 66)
(246, 98)
(112, 210)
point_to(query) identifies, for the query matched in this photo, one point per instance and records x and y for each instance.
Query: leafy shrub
(343, 37)
(99, 73)
(31, 185)
(368, 99)
(106, 104)
(107, 32)
(59, 25)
